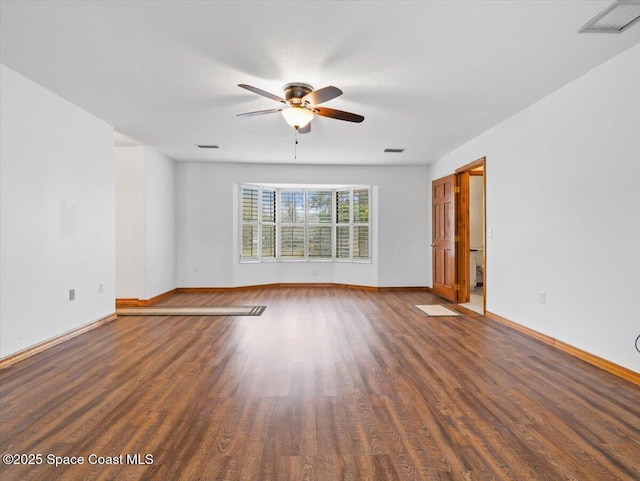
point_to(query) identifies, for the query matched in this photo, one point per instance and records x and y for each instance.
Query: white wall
(57, 222)
(563, 201)
(207, 226)
(131, 241)
(146, 237)
(161, 223)
(476, 210)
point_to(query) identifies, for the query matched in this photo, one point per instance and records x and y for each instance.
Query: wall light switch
(72, 294)
(101, 287)
(542, 297)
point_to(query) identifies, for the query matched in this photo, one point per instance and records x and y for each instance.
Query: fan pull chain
(295, 146)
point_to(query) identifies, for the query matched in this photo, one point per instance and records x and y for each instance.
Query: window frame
(280, 224)
(251, 223)
(357, 224)
(309, 224)
(306, 224)
(262, 223)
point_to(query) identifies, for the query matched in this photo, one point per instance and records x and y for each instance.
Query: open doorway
(471, 255)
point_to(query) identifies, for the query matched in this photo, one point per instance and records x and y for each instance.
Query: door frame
(463, 227)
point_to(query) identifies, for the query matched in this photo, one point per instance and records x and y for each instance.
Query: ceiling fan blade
(322, 95)
(306, 129)
(259, 112)
(338, 114)
(264, 93)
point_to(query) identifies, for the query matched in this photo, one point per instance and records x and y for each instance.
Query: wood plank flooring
(328, 384)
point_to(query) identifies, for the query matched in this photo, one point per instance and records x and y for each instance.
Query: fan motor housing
(294, 92)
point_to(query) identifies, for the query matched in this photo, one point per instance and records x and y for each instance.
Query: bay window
(304, 224)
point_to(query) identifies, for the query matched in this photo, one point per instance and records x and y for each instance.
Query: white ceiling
(427, 75)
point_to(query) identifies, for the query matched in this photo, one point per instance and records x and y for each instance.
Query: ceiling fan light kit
(297, 117)
(301, 102)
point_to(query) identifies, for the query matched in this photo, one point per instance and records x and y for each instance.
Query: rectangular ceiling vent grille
(614, 19)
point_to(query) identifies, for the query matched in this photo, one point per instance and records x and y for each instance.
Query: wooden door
(443, 237)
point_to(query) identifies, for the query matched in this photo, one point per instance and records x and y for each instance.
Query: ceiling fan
(301, 104)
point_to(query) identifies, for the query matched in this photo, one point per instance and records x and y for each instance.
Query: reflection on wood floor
(328, 384)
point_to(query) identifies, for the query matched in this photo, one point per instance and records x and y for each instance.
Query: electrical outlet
(542, 297)
(72, 294)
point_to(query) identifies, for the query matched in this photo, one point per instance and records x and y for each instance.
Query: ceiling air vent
(614, 19)
(202, 146)
(395, 151)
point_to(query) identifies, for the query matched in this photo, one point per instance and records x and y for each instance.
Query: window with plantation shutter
(250, 222)
(289, 224)
(269, 206)
(319, 207)
(292, 242)
(343, 209)
(343, 242)
(319, 224)
(343, 231)
(268, 224)
(292, 207)
(320, 242)
(361, 206)
(360, 240)
(292, 238)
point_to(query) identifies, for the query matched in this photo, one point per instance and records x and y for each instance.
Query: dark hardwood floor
(328, 384)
